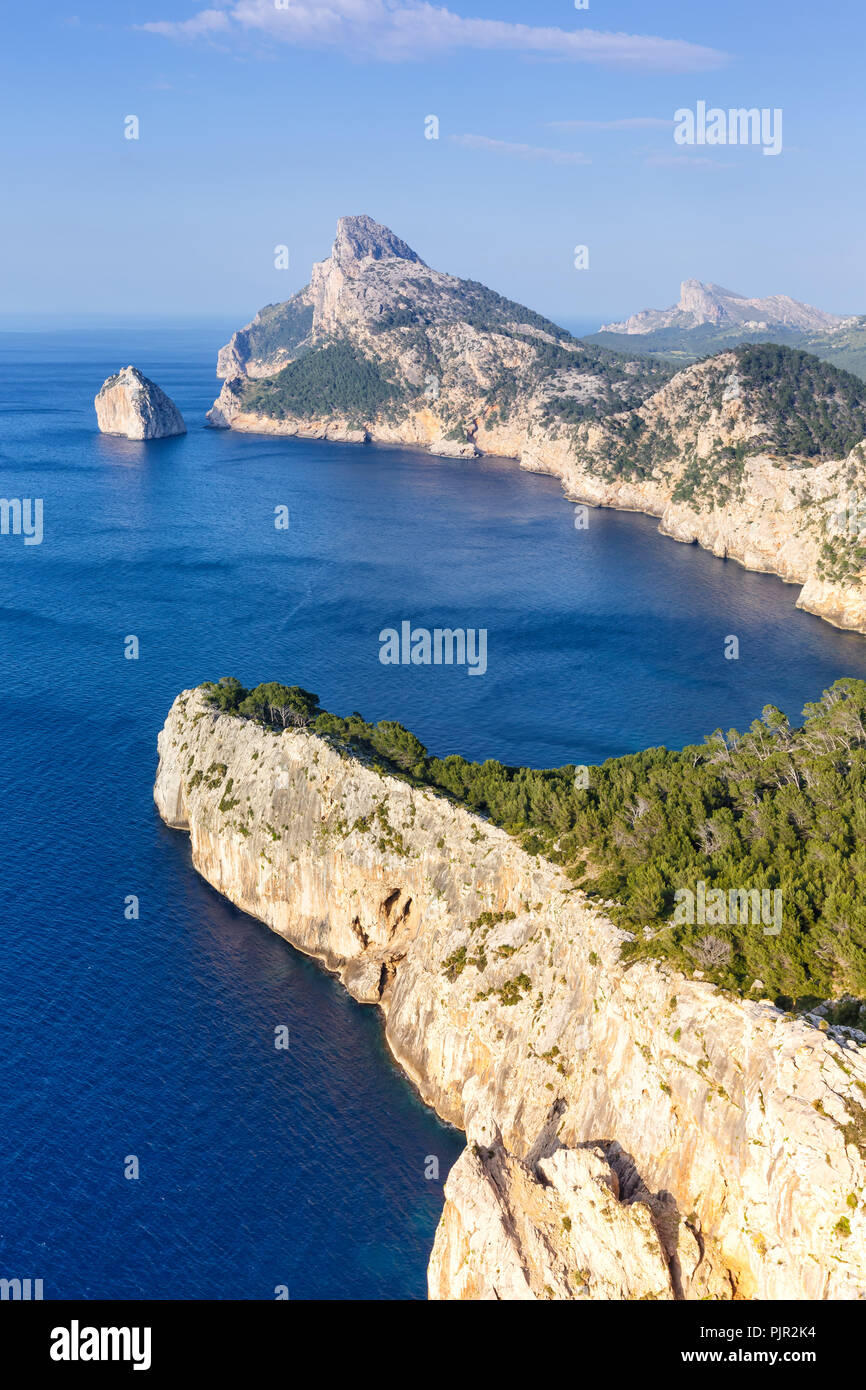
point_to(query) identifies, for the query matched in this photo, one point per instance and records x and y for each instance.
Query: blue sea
(154, 1038)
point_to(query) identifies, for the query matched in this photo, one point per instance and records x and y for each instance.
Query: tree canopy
(776, 808)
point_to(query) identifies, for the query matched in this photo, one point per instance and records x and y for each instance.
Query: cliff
(132, 405)
(756, 454)
(630, 1133)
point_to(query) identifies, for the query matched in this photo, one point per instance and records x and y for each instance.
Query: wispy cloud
(683, 161)
(202, 25)
(517, 151)
(625, 123)
(397, 30)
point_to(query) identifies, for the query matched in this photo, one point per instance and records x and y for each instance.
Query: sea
(153, 1141)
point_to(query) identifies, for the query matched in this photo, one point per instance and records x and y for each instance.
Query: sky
(260, 122)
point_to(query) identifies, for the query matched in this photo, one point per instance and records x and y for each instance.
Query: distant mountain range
(701, 304)
(708, 319)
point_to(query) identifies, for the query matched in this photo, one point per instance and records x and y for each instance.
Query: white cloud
(396, 30)
(205, 22)
(625, 123)
(538, 152)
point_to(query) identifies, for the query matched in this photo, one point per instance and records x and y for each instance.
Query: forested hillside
(776, 808)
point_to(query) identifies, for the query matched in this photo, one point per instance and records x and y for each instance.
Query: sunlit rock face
(711, 304)
(470, 372)
(132, 405)
(716, 1144)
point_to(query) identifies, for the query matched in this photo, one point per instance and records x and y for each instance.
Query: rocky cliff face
(132, 405)
(701, 304)
(630, 1133)
(558, 1228)
(714, 474)
(450, 344)
(462, 370)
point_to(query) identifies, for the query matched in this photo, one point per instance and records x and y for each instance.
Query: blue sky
(259, 126)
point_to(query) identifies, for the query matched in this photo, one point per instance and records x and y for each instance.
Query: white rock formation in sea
(630, 1132)
(132, 405)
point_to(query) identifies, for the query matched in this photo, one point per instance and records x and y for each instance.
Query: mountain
(700, 305)
(378, 342)
(709, 319)
(755, 453)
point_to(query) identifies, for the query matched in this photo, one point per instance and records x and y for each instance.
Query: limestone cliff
(631, 1133)
(759, 459)
(132, 405)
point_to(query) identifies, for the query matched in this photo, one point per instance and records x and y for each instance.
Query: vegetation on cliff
(336, 380)
(776, 808)
(803, 409)
(279, 327)
(339, 379)
(614, 383)
(843, 346)
(809, 408)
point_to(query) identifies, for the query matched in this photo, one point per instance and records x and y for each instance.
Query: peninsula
(632, 1131)
(756, 453)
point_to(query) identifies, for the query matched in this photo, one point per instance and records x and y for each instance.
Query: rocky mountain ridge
(678, 338)
(700, 304)
(756, 455)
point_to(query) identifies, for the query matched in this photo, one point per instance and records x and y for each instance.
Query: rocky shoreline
(761, 461)
(630, 1133)
(766, 534)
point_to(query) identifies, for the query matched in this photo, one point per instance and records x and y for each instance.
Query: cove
(305, 1168)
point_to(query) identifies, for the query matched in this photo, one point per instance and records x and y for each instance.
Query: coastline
(773, 543)
(724, 1104)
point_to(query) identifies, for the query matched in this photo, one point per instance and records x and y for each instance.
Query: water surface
(155, 1038)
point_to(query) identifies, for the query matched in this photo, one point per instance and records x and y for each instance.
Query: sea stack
(132, 405)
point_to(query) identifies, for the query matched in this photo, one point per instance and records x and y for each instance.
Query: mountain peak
(701, 289)
(359, 238)
(359, 242)
(703, 304)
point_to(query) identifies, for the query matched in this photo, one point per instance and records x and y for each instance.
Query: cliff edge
(630, 1133)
